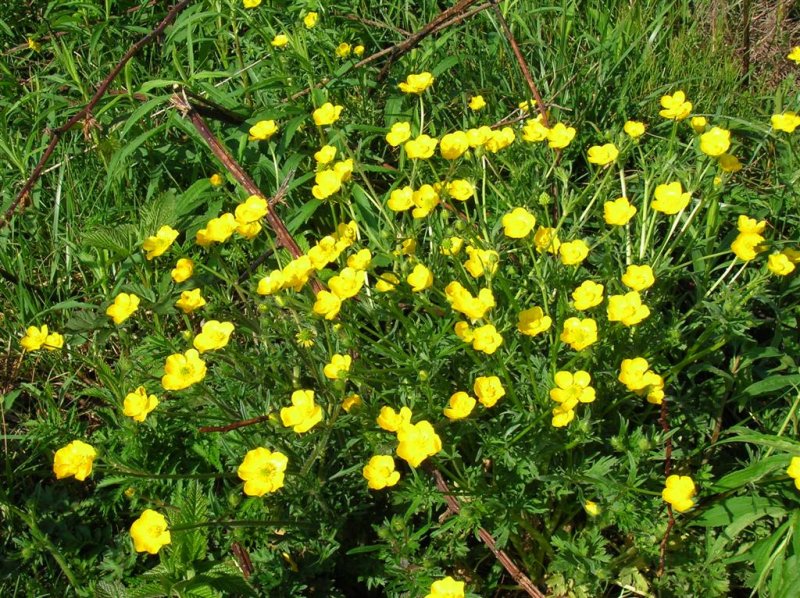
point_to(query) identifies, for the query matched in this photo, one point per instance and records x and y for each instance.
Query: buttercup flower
(248, 230)
(715, 142)
(447, 588)
(251, 3)
(325, 154)
(780, 264)
(546, 239)
(214, 335)
(181, 371)
(417, 442)
(347, 283)
(252, 209)
(500, 139)
(794, 55)
(476, 103)
(149, 532)
(391, 420)
(40, 338)
(420, 148)
(399, 133)
(746, 246)
(324, 252)
(729, 163)
(463, 331)
(420, 278)
(746, 225)
(638, 278)
(217, 230)
(280, 40)
(34, 45)
(327, 114)
(263, 130)
(579, 334)
(486, 339)
(417, 83)
(572, 388)
(461, 300)
(387, 281)
(675, 107)
(360, 260)
(183, 270)
(489, 390)
(534, 130)
(633, 129)
(358, 50)
(679, 492)
(670, 198)
(350, 402)
(481, 261)
(699, 124)
(560, 136)
(786, 122)
(401, 199)
(603, 154)
(459, 406)
(794, 466)
(123, 307)
(338, 367)
(262, 471)
(343, 50)
(518, 223)
(407, 247)
(380, 472)
(618, 212)
(157, 244)
(327, 305)
(190, 301)
(533, 321)
(425, 199)
(572, 253)
(451, 245)
(627, 309)
(138, 404)
(477, 137)
(304, 413)
(587, 295)
(216, 180)
(74, 459)
(310, 20)
(453, 145)
(460, 189)
(562, 416)
(591, 508)
(327, 182)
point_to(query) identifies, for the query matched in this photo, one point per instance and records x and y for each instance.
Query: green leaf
(772, 384)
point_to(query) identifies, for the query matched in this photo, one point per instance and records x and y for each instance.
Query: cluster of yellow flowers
(41, 338)
(750, 242)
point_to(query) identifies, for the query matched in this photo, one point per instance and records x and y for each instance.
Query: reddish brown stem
(86, 110)
(235, 425)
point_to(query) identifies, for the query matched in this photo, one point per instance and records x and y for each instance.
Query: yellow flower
(346, 234)
(358, 50)
(591, 508)
(425, 199)
(74, 459)
(190, 301)
(360, 260)
(338, 367)
(670, 198)
(387, 282)
(156, 245)
(526, 105)
(636, 374)
(417, 442)
(699, 124)
(138, 404)
(263, 130)
(786, 122)
(546, 239)
(262, 471)
(460, 189)
(533, 321)
(380, 472)
(304, 413)
(38, 338)
(627, 309)
(679, 491)
(486, 339)
(460, 406)
(793, 470)
(248, 230)
(149, 532)
(729, 163)
(453, 145)
(461, 300)
(399, 133)
(217, 230)
(603, 154)
(216, 180)
(407, 247)
(401, 199)
(124, 305)
(464, 331)
(183, 270)
(477, 137)
(746, 246)
(214, 335)
(451, 246)
(420, 278)
(476, 103)
(633, 129)
(252, 209)
(327, 182)
(534, 130)
(780, 264)
(675, 107)
(280, 40)
(325, 154)
(421, 148)
(560, 136)
(518, 223)
(324, 252)
(794, 55)
(447, 588)
(343, 50)
(572, 388)
(481, 261)
(500, 139)
(181, 371)
(34, 45)
(251, 3)
(572, 253)
(417, 83)
(327, 114)
(618, 212)
(579, 334)
(310, 20)
(715, 142)
(391, 420)
(489, 390)
(351, 402)
(587, 295)
(638, 278)
(327, 305)
(347, 283)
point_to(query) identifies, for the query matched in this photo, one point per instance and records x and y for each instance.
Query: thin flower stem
(721, 278)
